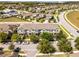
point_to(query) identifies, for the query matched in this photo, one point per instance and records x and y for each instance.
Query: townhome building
(38, 28)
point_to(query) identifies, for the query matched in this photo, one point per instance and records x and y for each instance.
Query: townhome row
(23, 14)
(29, 28)
(31, 15)
(38, 28)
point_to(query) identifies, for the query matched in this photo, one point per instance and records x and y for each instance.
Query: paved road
(63, 22)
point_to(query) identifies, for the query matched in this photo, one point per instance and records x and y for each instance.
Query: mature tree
(9, 35)
(3, 37)
(46, 35)
(77, 43)
(34, 38)
(43, 11)
(1, 50)
(77, 40)
(63, 40)
(60, 35)
(65, 46)
(45, 47)
(11, 47)
(2, 7)
(77, 46)
(52, 19)
(15, 37)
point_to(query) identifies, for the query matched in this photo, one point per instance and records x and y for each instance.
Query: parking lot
(29, 49)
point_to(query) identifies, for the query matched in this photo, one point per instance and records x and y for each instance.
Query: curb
(68, 34)
(69, 21)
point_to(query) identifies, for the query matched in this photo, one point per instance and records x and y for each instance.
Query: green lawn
(15, 19)
(73, 17)
(12, 19)
(65, 31)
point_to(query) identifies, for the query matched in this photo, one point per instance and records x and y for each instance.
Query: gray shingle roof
(36, 26)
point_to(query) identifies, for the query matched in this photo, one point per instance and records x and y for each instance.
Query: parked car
(78, 31)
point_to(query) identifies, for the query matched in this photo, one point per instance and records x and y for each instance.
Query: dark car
(78, 31)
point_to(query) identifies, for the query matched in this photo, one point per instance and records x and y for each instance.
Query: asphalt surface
(29, 49)
(70, 29)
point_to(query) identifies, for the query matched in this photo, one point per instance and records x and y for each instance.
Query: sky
(40, 0)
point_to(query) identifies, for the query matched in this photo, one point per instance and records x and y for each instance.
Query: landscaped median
(65, 14)
(65, 31)
(56, 54)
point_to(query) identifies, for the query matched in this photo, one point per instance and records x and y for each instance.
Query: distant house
(35, 15)
(38, 28)
(48, 16)
(41, 15)
(8, 13)
(24, 15)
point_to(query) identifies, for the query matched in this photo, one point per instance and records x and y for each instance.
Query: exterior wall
(21, 31)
